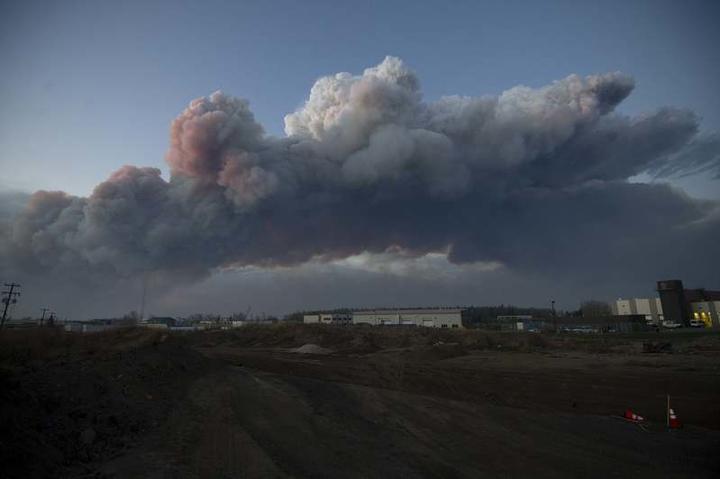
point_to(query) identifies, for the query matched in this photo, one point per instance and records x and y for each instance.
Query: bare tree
(594, 309)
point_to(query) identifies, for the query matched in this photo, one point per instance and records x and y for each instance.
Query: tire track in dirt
(244, 422)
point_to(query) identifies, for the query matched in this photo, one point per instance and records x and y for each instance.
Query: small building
(97, 325)
(311, 318)
(88, 326)
(166, 320)
(154, 325)
(529, 324)
(602, 324)
(429, 318)
(185, 329)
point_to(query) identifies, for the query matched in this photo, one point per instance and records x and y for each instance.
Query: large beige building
(651, 308)
(431, 318)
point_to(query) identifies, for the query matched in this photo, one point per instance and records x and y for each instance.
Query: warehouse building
(328, 318)
(430, 318)
(675, 304)
(650, 308)
(685, 305)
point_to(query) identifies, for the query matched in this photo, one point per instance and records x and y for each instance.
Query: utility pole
(144, 294)
(42, 319)
(10, 295)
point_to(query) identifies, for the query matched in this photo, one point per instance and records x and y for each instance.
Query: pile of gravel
(311, 349)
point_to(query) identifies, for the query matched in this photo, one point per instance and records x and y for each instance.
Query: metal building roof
(410, 311)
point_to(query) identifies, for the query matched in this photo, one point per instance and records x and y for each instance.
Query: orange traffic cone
(631, 416)
(673, 421)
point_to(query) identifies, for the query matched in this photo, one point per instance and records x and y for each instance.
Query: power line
(10, 295)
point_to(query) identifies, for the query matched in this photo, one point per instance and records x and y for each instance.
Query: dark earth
(292, 400)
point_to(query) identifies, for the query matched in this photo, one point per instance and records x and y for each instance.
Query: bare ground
(369, 403)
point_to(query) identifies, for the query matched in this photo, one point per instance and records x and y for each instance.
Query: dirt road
(288, 415)
(245, 423)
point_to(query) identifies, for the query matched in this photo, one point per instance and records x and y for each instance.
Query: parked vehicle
(671, 324)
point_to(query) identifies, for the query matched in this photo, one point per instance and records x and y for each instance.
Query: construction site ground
(324, 401)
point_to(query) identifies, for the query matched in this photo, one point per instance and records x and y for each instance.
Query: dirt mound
(311, 349)
(69, 400)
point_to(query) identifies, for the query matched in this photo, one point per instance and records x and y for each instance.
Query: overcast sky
(90, 86)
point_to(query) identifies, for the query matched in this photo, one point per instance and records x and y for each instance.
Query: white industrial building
(328, 318)
(650, 308)
(431, 318)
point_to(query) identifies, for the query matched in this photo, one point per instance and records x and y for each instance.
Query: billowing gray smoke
(535, 179)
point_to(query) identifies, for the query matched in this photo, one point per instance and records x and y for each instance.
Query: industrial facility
(430, 318)
(328, 318)
(675, 305)
(649, 308)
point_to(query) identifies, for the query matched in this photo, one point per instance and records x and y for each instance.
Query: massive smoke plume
(533, 179)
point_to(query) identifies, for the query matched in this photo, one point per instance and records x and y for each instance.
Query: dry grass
(20, 346)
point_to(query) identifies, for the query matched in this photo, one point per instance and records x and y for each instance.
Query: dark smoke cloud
(699, 157)
(535, 179)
